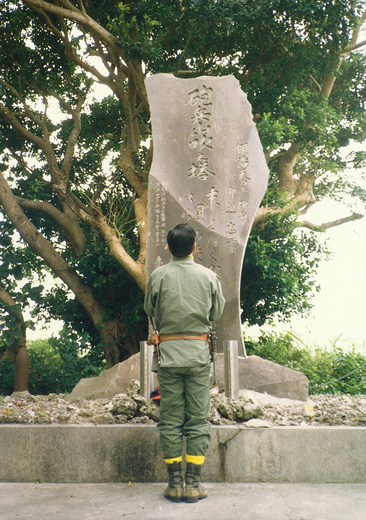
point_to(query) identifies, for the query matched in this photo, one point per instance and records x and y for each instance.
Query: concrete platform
(123, 453)
(146, 502)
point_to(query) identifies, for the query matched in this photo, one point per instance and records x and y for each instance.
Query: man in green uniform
(184, 298)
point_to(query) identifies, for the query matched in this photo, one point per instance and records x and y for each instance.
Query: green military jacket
(184, 298)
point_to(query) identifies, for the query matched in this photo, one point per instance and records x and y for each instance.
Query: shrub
(333, 371)
(56, 364)
(7, 373)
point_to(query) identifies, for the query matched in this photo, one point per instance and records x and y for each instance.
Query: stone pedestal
(266, 377)
(255, 374)
(113, 381)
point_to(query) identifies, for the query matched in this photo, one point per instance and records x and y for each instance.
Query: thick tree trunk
(108, 331)
(118, 344)
(288, 160)
(20, 330)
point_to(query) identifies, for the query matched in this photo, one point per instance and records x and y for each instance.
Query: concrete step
(123, 453)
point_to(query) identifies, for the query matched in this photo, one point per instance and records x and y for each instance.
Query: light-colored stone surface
(262, 399)
(255, 373)
(208, 170)
(267, 377)
(113, 381)
(258, 423)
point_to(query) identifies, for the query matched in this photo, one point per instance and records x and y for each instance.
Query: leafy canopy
(75, 163)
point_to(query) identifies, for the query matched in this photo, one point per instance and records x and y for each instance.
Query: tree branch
(27, 111)
(135, 268)
(353, 45)
(42, 142)
(73, 137)
(318, 86)
(15, 123)
(338, 55)
(6, 299)
(82, 8)
(75, 235)
(134, 72)
(100, 223)
(80, 205)
(49, 23)
(52, 258)
(331, 224)
(74, 14)
(69, 5)
(287, 162)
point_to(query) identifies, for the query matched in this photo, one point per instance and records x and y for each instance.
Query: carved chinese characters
(208, 170)
(201, 141)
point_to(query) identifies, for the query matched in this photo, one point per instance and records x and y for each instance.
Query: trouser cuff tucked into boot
(175, 459)
(194, 490)
(175, 489)
(196, 459)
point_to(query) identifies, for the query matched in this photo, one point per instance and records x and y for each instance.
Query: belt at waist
(167, 337)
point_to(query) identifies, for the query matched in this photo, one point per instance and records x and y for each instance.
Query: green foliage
(281, 52)
(56, 364)
(333, 371)
(113, 287)
(47, 369)
(7, 374)
(279, 272)
(19, 267)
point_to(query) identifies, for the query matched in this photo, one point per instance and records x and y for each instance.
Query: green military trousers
(184, 410)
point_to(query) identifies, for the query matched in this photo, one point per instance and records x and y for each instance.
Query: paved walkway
(146, 502)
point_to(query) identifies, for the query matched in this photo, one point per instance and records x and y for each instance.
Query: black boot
(194, 490)
(175, 490)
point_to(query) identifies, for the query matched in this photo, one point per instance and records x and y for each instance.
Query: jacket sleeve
(149, 302)
(218, 301)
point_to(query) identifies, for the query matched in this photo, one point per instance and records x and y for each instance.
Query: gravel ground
(252, 410)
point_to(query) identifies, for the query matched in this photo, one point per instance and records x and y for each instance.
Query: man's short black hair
(181, 240)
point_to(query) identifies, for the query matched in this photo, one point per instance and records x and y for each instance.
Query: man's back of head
(181, 240)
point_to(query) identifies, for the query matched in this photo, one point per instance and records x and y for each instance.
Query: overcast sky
(340, 306)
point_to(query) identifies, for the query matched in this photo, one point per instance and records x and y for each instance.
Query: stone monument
(208, 170)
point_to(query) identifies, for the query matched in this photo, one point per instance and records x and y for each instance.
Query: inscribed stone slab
(208, 170)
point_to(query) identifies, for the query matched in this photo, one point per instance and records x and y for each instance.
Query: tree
(17, 262)
(17, 329)
(75, 186)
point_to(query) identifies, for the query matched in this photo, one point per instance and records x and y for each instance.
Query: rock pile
(251, 410)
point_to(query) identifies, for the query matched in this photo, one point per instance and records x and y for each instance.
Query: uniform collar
(185, 260)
